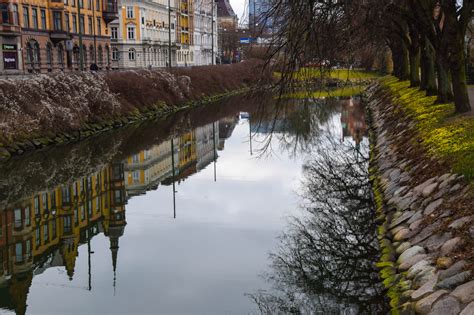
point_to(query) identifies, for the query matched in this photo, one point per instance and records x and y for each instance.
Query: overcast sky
(239, 7)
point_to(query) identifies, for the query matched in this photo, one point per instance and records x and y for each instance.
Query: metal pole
(215, 151)
(212, 32)
(174, 190)
(94, 25)
(81, 50)
(169, 33)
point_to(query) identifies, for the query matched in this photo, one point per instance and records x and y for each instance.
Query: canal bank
(424, 208)
(58, 108)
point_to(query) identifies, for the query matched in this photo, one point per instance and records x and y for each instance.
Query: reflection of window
(67, 224)
(97, 203)
(27, 216)
(46, 232)
(118, 196)
(19, 252)
(136, 176)
(45, 201)
(17, 218)
(37, 207)
(66, 195)
(28, 249)
(37, 237)
(53, 229)
(135, 158)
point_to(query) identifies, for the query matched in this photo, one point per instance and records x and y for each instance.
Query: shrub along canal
(231, 208)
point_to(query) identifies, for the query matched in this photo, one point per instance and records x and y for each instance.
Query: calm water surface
(180, 216)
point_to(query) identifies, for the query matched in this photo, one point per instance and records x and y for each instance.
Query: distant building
(260, 23)
(205, 32)
(228, 32)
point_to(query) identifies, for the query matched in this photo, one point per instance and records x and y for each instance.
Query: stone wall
(425, 217)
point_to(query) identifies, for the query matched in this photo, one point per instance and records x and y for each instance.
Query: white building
(140, 36)
(205, 19)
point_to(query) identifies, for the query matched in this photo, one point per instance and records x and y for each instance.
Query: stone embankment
(425, 218)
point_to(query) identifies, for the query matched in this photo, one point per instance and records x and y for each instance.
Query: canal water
(243, 207)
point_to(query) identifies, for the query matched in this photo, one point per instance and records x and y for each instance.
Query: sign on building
(10, 57)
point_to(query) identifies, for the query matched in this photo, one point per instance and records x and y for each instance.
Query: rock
(400, 190)
(403, 247)
(419, 189)
(424, 276)
(433, 206)
(425, 289)
(401, 235)
(415, 225)
(446, 305)
(451, 245)
(458, 267)
(417, 216)
(454, 281)
(404, 217)
(468, 310)
(465, 292)
(471, 231)
(444, 177)
(459, 223)
(395, 174)
(423, 306)
(397, 229)
(410, 252)
(444, 262)
(435, 242)
(412, 261)
(426, 232)
(417, 268)
(428, 190)
(455, 188)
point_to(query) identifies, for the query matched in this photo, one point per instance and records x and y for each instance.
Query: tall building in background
(140, 36)
(185, 21)
(259, 21)
(43, 36)
(228, 37)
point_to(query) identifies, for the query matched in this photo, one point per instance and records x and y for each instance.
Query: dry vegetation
(45, 105)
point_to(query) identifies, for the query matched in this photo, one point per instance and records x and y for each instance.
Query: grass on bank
(445, 135)
(308, 74)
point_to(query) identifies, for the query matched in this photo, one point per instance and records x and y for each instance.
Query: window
(131, 32)
(74, 23)
(15, 14)
(89, 4)
(81, 24)
(5, 13)
(81, 3)
(99, 26)
(43, 19)
(34, 17)
(129, 12)
(115, 54)
(114, 32)
(73, 3)
(90, 26)
(57, 21)
(66, 20)
(61, 63)
(49, 56)
(17, 218)
(26, 17)
(97, 5)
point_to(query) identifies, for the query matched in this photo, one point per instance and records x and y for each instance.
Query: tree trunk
(445, 94)
(458, 75)
(430, 79)
(404, 63)
(415, 67)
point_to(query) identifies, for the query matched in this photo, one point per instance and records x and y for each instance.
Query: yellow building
(42, 36)
(185, 55)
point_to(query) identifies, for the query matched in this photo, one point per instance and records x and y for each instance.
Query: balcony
(110, 11)
(58, 36)
(10, 30)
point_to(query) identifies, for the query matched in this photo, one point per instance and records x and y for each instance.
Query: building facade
(205, 32)
(44, 36)
(141, 34)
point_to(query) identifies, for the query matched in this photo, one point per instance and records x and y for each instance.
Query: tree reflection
(325, 260)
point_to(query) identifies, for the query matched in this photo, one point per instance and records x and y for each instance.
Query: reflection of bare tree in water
(325, 260)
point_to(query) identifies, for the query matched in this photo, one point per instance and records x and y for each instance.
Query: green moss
(444, 134)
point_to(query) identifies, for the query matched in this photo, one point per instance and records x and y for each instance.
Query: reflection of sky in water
(201, 263)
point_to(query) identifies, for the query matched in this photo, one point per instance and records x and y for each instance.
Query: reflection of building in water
(46, 229)
(207, 139)
(226, 127)
(353, 119)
